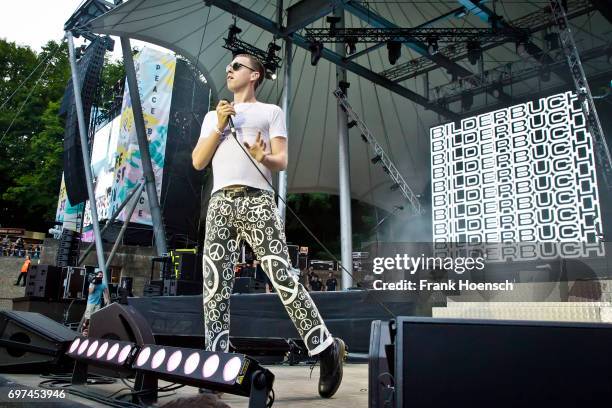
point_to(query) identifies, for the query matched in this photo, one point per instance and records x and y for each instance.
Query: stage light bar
(227, 372)
(102, 351)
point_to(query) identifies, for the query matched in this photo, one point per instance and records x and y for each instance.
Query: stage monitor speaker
(119, 322)
(483, 363)
(30, 342)
(380, 380)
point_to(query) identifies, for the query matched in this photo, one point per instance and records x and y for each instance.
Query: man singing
(242, 207)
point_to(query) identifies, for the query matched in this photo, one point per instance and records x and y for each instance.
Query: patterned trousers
(254, 218)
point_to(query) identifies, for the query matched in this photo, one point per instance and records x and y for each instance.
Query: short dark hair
(257, 65)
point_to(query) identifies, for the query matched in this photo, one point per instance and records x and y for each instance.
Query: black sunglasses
(236, 66)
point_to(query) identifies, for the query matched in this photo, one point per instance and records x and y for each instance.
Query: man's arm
(277, 159)
(204, 150)
(206, 146)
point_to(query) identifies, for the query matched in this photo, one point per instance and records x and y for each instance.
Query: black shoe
(331, 368)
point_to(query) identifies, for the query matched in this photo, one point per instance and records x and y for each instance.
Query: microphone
(230, 120)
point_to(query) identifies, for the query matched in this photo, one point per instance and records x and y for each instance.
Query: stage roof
(197, 31)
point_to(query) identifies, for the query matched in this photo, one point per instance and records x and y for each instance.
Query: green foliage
(31, 151)
(112, 73)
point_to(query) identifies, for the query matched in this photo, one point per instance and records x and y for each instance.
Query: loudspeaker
(119, 322)
(182, 185)
(44, 281)
(30, 342)
(248, 285)
(480, 363)
(89, 68)
(180, 287)
(380, 380)
(186, 265)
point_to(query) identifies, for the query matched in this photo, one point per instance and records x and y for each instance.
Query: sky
(34, 22)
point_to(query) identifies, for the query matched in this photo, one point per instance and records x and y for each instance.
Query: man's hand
(224, 111)
(258, 149)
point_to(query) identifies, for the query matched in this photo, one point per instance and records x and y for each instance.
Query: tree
(31, 145)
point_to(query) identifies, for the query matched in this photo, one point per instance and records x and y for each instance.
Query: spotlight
(522, 49)
(432, 45)
(234, 373)
(467, 99)
(270, 75)
(364, 138)
(395, 50)
(385, 169)
(316, 48)
(474, 52)
(395, 186)
(352, 124)
(376, 159)
(351, 46)
(552, 41)
(233, 31)
(333, 20)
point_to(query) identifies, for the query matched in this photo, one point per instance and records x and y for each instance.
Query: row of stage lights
(214, 370)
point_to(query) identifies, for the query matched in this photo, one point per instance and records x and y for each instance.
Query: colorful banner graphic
(155, 72)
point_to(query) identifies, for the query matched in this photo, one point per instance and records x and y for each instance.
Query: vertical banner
(68, 215)
(155, 74)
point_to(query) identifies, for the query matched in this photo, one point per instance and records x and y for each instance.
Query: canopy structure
(398, 113)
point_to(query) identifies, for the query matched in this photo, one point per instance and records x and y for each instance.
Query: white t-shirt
(230, 164)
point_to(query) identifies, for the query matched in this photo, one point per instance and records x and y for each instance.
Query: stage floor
(293, 388)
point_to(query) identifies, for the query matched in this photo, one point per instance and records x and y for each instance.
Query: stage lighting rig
(351, 46)
(474, 52)
(432, 46)
(352, 124)
(316, 48)
(268, 58)
(376, 159)
(395, 51)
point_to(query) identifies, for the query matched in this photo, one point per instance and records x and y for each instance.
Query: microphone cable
(234, 134)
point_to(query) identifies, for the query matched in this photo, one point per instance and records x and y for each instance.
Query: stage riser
(347, 314)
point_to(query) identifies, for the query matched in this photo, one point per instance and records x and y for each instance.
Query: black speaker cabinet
(44, 281)
(119, 322)
(180, 287)
(30, 342)
(380, 380)
(503, 363)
